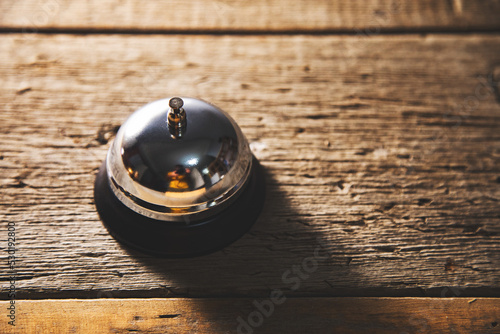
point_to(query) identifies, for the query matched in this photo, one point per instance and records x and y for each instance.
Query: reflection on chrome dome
(162, 176)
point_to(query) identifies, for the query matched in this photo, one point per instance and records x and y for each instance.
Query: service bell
(179, 180)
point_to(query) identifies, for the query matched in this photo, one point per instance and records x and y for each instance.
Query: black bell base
(159, 238)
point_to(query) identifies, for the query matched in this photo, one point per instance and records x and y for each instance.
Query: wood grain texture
(329, 315)
(382, 155)
(366, 17)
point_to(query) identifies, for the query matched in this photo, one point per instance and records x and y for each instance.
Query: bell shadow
(253, 265)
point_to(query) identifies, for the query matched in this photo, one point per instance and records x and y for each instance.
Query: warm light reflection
(133, 174)
(178, 178)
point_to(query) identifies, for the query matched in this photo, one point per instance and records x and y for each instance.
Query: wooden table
(377, 123)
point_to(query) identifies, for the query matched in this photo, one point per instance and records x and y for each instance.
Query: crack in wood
(168, 316)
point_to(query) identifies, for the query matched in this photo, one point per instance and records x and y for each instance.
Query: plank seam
(363, 32)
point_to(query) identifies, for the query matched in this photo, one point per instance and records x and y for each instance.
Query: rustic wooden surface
(331, 315)
(365, 150)
(377, 123)
(256, 15)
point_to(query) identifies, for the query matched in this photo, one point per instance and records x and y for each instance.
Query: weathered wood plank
(257, 15)
(383, 153)
(298, 315)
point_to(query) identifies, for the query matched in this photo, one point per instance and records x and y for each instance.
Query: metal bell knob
(176, 118)
(179, 180)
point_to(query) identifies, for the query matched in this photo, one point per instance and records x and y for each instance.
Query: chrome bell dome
(178, 162)
(178, 173)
